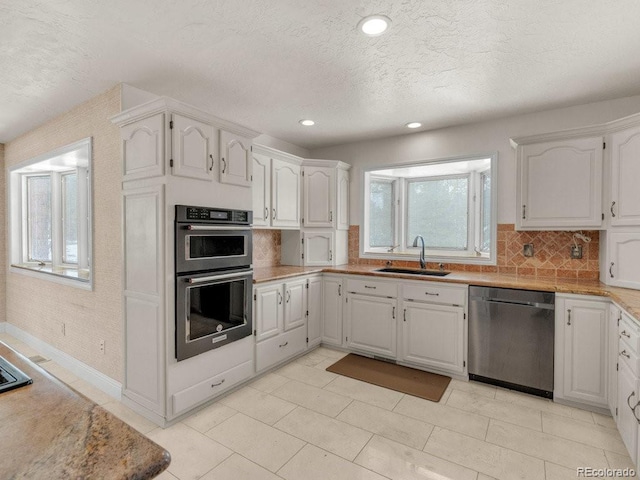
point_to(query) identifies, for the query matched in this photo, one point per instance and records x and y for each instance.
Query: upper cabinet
(194, 144)
(143, 148)
(235, 159)
(559, 185)
(276, 189)
(325, 194)
(625, 172)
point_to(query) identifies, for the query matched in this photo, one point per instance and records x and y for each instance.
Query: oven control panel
(213, 215)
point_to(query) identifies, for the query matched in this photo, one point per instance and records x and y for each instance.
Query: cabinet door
(342, 201)
(261, 190)
(193, 146)
(314, 310)
(295, 304)
(627, 397)
(285, 195)
(235, 159)
(623, 250)
(318, 248)
(612, 358)
(625, 172)
(371, 324)
(585, 349)
(560, 184)
(318, 196)
(433, 336)
(332, 311)
(268, 311)
(143, 148)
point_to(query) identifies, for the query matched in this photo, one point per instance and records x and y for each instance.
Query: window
(50, 219)
(449, 202)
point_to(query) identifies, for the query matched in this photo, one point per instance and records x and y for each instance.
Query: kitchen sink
(413, 271)
(11, 377)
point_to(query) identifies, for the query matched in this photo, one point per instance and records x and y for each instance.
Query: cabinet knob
(211, 167)
(283, 345)
(393, 313)
(224, 165)
(404, 315)
(524, 212)
(569, 317)
(612, 212)
(625, 354)
(274, 214)
(213, 385)
(610, 269)
(266, 212)
(625, 334)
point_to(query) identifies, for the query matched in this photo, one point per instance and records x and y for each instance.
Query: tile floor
(301, 422)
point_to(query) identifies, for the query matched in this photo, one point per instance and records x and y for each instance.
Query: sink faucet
(415, 244)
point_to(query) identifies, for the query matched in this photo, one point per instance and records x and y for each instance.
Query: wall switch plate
(527, 249)
(576, 251)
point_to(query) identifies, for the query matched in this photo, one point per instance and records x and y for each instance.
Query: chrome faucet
(415, 244)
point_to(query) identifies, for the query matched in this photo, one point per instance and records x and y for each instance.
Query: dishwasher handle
(544, 306)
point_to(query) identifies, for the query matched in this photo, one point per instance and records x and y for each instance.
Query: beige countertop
(626, 298)
(49, 431)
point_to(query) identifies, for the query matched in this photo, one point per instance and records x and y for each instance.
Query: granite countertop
(627, 298)
(49, 431)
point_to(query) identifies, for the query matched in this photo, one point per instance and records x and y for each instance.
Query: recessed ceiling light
(374, 25)
(307, 123)
(414, 125)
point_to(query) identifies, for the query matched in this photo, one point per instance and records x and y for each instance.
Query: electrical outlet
(576, 251)
(527, 249)
(102, 346)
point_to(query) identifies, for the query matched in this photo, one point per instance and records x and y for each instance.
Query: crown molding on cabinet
(272, 152)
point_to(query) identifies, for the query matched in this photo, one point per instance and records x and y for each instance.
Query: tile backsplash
(551, 254)
(266, 248)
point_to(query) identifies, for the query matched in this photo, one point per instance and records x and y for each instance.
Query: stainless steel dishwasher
(511, 336)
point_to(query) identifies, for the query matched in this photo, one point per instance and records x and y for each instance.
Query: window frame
(471, 255)
(76, 274)
(396, 211)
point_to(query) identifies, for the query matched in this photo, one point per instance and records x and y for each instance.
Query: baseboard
(89, 374)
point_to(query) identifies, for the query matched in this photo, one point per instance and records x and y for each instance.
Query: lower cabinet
(581, 350)
(371, 324)
(332, 301)
(314, 311)
(274, 350)
(432, 336)
(627, 398)
(615, 314)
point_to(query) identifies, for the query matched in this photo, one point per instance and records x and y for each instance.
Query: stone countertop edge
(50, 431)
(626, 298)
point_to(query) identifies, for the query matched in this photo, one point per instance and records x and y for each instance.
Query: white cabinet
(314, 311)
(280, 319)
(193, 147)
(625, 172)
(433, 329)
(314, 248)
(371, 324)
(143, 148)
(627, 398)
(615, 314)
(318, 248)
(559, 184)
(332, 301)
(235, 159)
(581, 350)
(622, 267)
(276, 189)
(325, 194)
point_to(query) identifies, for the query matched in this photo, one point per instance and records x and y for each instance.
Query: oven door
(212, 309)
(208, 247)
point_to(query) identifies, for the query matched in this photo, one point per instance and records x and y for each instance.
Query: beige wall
(40, 307)
(3, 252)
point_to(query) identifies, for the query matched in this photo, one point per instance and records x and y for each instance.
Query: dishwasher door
(511, 335)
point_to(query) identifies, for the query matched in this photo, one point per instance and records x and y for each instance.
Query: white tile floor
(304, 423)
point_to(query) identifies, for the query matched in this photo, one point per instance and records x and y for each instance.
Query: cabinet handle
(393, 313)
(330, 255)
(331, 215)
(283, 345)
(610, 267)
(625, 354)
(339, 290)
(434, 294)
(625, 334)
(211, 167)
(288, 295)
(224, 165)
(367, 286)
(274, 214)
(633, 409)
(279, 298)
(217, 384)
(266, 212)
(612, 212)
(404, 315)
(569, 317)
(524, 212)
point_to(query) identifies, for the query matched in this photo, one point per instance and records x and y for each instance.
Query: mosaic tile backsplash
(551, 254)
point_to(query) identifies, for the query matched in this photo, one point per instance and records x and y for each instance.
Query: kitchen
(75, 321)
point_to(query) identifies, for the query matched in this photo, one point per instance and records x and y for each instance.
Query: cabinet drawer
(274, 350)
(435, 293)
(372, 287)
(629, 332)
(200, 392)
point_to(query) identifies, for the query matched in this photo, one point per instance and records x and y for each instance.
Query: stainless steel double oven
(214, 277)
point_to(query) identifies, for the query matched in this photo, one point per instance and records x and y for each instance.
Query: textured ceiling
(268, 63)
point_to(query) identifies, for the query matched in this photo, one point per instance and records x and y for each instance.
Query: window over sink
(450, 202)
(50, 215)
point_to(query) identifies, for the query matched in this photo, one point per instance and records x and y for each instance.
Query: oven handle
(218, 277)
(215, 227)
